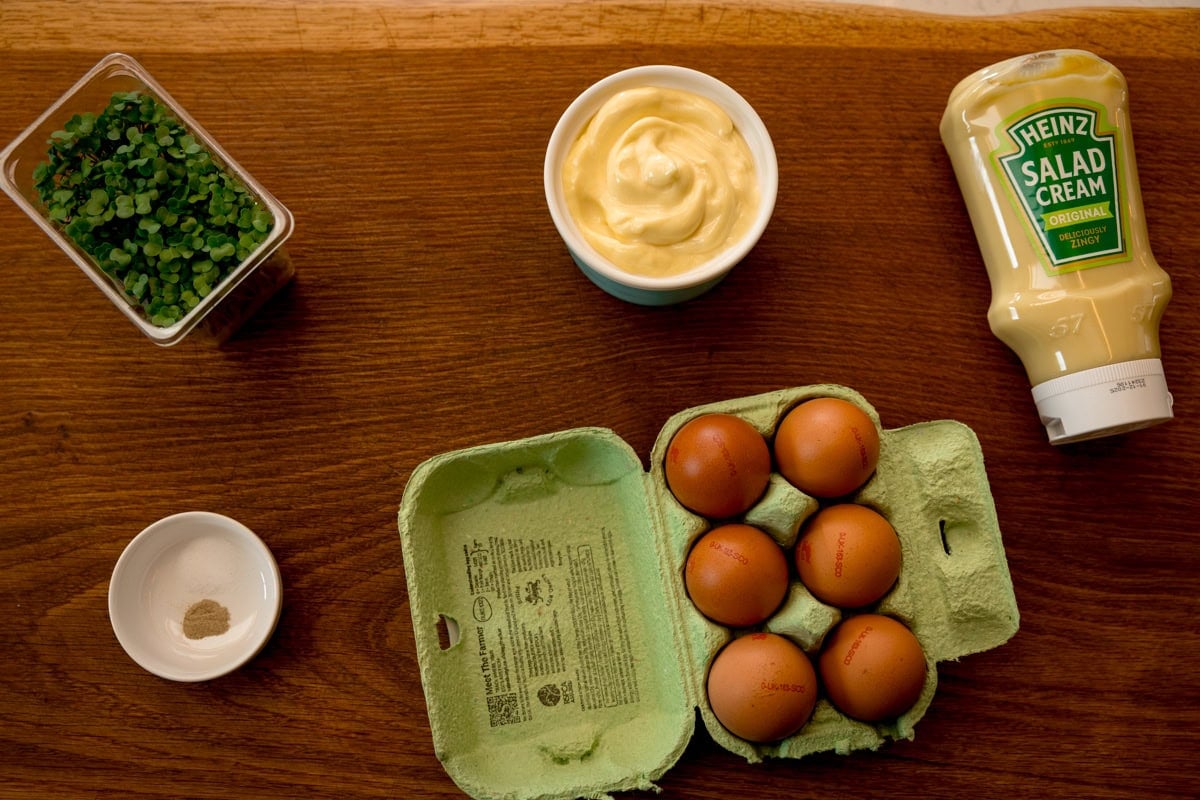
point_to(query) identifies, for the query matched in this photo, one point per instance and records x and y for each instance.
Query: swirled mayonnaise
(660, 181)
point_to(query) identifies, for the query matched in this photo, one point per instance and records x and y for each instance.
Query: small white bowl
(639, 289)
(177, 562)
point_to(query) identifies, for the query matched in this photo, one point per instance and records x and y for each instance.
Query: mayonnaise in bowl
(660, 179)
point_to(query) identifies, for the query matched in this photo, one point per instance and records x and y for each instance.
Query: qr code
(502, 710)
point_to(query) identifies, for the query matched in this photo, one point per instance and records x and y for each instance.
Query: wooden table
(435, 308)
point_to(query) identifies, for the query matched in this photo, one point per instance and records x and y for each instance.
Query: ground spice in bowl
(205, 618)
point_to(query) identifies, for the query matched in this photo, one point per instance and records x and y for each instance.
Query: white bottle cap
(1104, 401)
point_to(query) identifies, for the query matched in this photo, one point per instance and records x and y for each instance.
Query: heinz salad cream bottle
(1042, 149)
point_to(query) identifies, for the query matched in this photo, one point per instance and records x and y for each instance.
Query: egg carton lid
(559, 654)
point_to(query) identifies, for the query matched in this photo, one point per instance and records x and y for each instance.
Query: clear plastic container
(268, 264)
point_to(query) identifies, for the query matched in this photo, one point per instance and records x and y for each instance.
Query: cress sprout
(138, 193)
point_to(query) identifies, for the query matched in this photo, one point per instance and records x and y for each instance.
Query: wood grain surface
(435, 308)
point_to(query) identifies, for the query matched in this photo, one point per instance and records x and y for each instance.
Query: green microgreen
(146, 201)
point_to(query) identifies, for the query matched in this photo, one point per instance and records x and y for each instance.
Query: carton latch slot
(447, 631)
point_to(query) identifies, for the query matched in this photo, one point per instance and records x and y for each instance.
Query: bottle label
(1061, 165)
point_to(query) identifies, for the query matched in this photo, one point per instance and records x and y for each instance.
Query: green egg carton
(560, 655)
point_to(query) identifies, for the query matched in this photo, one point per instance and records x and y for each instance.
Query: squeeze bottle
(1043, 152)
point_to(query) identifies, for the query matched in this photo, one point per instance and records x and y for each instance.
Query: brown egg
(717, 465)
(848, 555)
(872, 667)
(827, 447)
(762, 687)
(736, 575)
